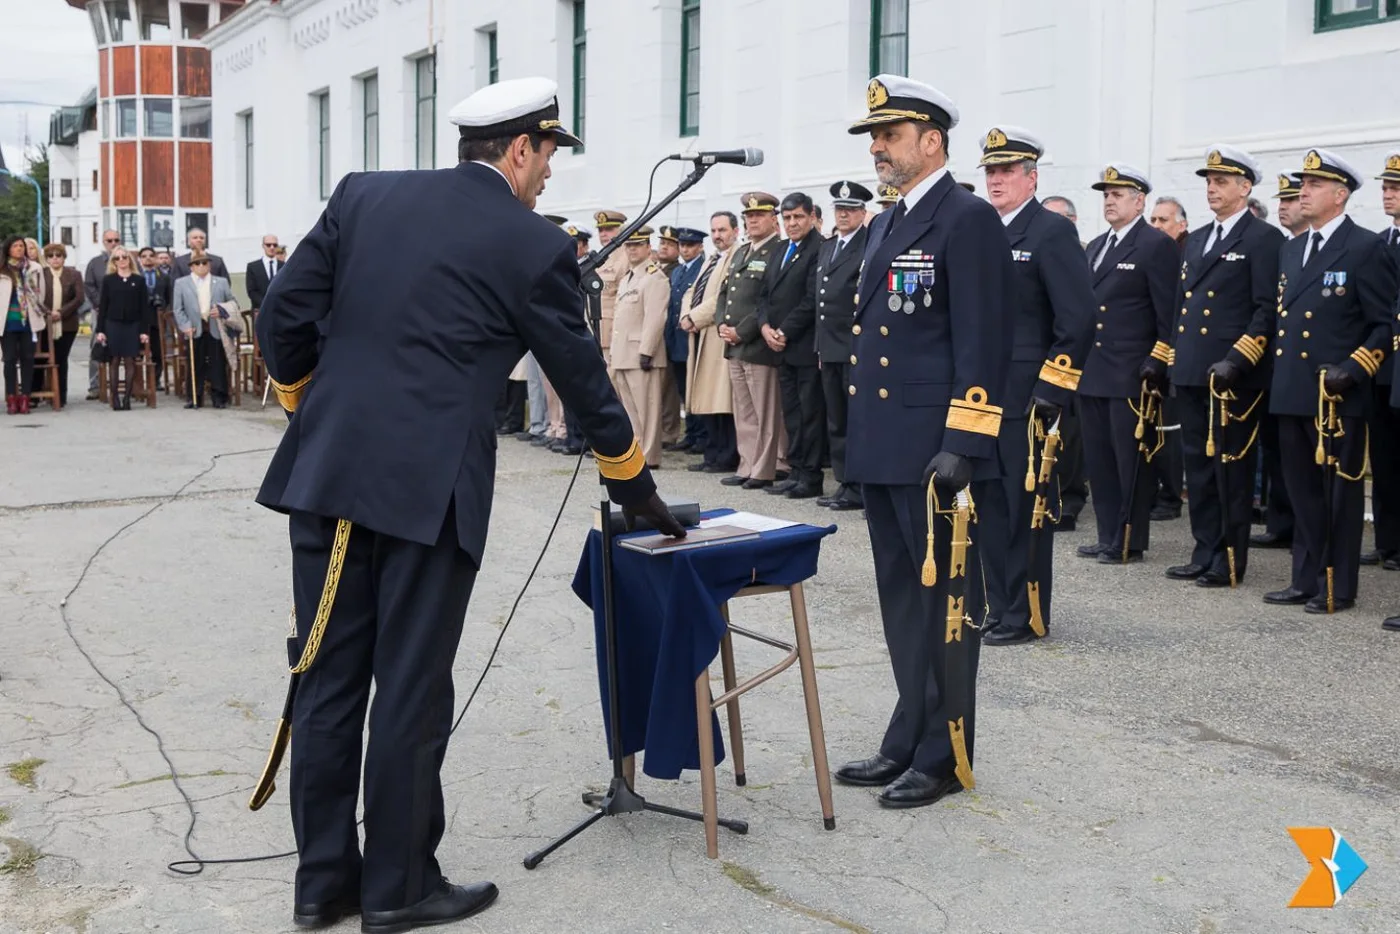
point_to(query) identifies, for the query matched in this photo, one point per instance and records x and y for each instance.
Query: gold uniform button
(1188, 294)
(1304, 355)
(884, 331)
(1183, 309)
(853, 359)
(853, 389)
(1306, 334)
(1181, 330)
(1098, 344)
(1206, 312)
(1283, 314)
(884, 361)
(1279, 352)
(1099, 325)
(884, 393)
(823, 291)
(1281, 332)
(1307, 314)
(1103, 308)
(1203, 330)
(1210, 295)
(855, 329)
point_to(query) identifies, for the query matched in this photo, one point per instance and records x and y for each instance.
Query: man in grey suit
(195, 300)
(197, 239)
(92, 284)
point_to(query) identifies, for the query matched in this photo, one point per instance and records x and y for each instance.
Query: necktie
(699, 295)
(1313, 247)
(1217, 236)
(839, 244)
(150, 279)
(792, 248)
(1394, 235)
(1108, 248)
(271, 269)
(896, 216)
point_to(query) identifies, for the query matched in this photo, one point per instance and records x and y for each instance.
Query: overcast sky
(47, 56)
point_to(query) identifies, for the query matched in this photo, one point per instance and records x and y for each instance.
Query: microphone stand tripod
(619, 798)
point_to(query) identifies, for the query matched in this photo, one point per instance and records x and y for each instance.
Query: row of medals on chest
(906, 276)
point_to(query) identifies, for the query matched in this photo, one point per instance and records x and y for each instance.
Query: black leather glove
(645, 361)
(655, 512)
(1336, 380)
(1226, 374)
(952, 470)
(1045, 410)
(1154, 373)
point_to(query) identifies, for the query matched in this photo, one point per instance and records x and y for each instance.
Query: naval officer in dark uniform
(1133, 270)
(1385, 421)
(1227, 292)
(838, 271)
(1335, 302)
(930, 342)
(1052, 320)
(386, 472)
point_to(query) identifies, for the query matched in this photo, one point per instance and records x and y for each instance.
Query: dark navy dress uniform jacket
(1135, 285)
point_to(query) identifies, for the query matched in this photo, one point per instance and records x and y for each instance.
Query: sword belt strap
(323, 608)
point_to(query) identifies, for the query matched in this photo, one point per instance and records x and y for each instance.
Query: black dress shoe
(1372, 558)
(1092, 551)
(698, 468)
(753, 483)
(1066, 524)
(804, 491)
(1392, 563)
(781, 487)
(449, 903)
(1185, 572)
(1391, 623)
(568, 450)
(1270, 540)
(1288, 596)
(719, 468)
(525, 436)
(1213, 579)
(1165, 513)
(847, 503)
(541, 441)
(1318, 604)
(1008, 635)
(675, 446)
(877, 770)
(325, 914)
(735, 480)
(1113, 556)
(914, 789)
(782, 475)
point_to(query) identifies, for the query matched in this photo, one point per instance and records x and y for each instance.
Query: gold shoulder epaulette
(653, 268)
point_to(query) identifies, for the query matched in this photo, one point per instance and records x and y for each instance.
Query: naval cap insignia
(601, 217)
(995, 139)
(1214, 157)
(1312, 160)
(1110, 174)
(1392, 164)
(845, 190)
(875, 94)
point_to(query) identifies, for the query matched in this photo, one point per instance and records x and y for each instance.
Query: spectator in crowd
(195, 303)
(32, 252)
(1169, 466)
(158, 284)
(261, 270)
(1065, 208)
(1169, 217)
(92, 284)
(124, 320)
(281, 254)
(23, 319)
(1259, 209)
(198, 240)
(165, 260)
(60, 294)
(708, 392)
(1074, 487)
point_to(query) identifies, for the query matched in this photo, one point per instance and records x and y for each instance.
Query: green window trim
(889, 37)
(690, 67)
(580, 72)
(1380, 11)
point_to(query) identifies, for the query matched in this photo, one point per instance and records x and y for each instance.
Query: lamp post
(38, 202)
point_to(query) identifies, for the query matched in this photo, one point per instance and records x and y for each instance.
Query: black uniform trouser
(721, 441)
(1168, 466)
(1004, 524)
(1278, 511)
(1111, 457)
(1074, 490)
(397, 619)
(211, 364)
(1210, 513)
(836, 382)
(510, 406)
(804, 416)
(915, 621)
(1385, 469)
(573, 430)
(1298, 447)
(694, 425)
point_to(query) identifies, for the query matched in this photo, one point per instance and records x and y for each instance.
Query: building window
(98, 28)
(154, 16)
(65, 188)
(323, 144)
(94, 179)
(425, 111)
(194, 19)
(126, 116)
(1339, 14)
(119, 22)
(889, 37)
(369, 113)
(493, 58)
(690, 67)
(245, 125)
(106, 126)
(65, 236)
(159, 121)
(128, 228)
(196, 115)
(200, 220)
(160, 230)
(580, 72)
(94, 229)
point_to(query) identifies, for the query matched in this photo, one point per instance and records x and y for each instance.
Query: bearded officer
(931, 338)
(838, 271)
(1227, 292)
(1051, 328)
(390, 550)
(1333, 320)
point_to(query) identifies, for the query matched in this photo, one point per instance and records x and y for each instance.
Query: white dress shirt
(1327, 230)
(1120, 233)
(1010, 215)
(916, 194)
(1228, 224)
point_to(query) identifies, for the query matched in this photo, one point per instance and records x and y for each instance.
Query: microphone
(746, 156)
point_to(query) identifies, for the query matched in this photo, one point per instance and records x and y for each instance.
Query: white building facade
(305, 91)
(75, 199)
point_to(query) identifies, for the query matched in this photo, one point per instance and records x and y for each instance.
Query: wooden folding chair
(44, 363)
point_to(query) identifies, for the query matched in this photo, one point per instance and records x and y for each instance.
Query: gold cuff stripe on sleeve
(1162, 351)
(974, 414)
(1252, 348)
(288, 396)
(1368, 360)
(1060, 374)
(625, 466)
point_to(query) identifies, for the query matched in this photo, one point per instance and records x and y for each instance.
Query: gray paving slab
(1136, 772)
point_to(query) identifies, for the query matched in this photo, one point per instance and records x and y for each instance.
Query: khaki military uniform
(611, 272)
(753, 367)
(638, 330)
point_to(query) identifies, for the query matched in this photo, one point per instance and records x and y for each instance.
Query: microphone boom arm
(590, 264)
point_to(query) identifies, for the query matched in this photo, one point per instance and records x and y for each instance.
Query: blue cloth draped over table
(669, 628)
